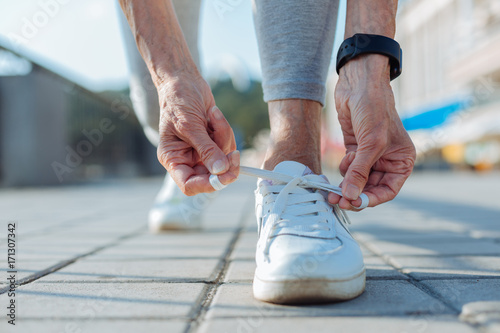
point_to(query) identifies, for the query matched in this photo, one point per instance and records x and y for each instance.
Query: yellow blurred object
(483, 166)
(454, 153)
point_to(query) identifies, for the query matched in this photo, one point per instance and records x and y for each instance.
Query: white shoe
(305, 252)
(173, 210)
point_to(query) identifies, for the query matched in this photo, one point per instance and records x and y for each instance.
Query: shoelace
(289, 183)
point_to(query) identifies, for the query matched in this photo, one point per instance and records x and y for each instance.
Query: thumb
(357, 174)
(211, 155)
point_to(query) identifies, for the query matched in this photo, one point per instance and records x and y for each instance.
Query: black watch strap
(366, 43)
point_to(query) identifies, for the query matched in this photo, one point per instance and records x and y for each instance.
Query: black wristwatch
(366, 43)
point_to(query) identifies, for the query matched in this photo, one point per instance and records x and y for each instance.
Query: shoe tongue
(294, 169)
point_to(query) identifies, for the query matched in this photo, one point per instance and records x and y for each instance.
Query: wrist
(367, 68)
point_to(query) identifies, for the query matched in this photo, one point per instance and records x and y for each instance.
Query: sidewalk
(87, 263)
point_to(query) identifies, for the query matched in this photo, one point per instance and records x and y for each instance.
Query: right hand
(195, 138)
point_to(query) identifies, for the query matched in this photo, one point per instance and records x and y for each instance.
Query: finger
(357, 174)
(333, 198)
(196, 180)
(210, 153)
(222, 134)
(346, 162)
(234, 170)
(189, 181)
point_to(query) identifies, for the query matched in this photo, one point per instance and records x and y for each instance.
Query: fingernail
(352, 192)
(235, 158)
(217, 113)
(218, 167)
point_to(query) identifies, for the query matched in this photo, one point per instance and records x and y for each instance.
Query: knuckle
(185, 127)
(206, 150)
(359, 174)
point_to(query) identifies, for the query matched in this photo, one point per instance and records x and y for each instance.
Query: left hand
(379, 152)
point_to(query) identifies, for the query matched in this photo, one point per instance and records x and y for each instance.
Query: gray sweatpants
(295, 40)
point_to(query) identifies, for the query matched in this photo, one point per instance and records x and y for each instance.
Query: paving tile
(176, 270)
(240, 271)
(422, 237)
(376, 268)
(461, 292)
(431, 267)
(415, 247)
(381, 298)
(231, 204)
(379, 226)
(105, 300)
(169, 245)
(262, 324)
(92, 326)
(245, 247)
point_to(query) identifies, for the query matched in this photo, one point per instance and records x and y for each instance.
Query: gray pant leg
(295, 40)
(142, 90)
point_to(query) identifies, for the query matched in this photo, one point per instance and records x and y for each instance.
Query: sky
(81, 40)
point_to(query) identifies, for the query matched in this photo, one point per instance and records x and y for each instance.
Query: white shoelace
(304, 182)
(306, 203)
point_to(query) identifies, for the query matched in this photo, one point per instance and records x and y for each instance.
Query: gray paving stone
(416, 247)
(376, 268)
(105, 300)
(431, 267)
(423, 237)
(381, 298)
(245, 247)
(176, 270)
(461, 292)
(240, 271)
(90, 325)
(169, 245)
(231, 205)
(413, 324)
(59, 253)
(482, 190)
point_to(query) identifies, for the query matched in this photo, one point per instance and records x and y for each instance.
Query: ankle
(295, 133)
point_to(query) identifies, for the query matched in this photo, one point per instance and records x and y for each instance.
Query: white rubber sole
(307, 291)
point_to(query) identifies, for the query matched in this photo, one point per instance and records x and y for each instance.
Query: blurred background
(65, 114)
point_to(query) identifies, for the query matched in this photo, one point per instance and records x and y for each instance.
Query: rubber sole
(309, 291)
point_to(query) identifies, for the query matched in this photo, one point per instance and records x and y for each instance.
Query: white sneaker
(173, 210)
(305, 252)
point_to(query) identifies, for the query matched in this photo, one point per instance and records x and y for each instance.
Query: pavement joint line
(64, 263)
(415, 282)
(210, 290)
